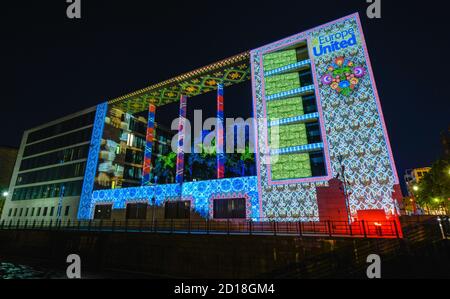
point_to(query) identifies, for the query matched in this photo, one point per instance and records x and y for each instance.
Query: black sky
(53, 66)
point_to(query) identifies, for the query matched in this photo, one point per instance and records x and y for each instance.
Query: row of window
(52, 174)
(58, 142)
(59, 157)
(36, 212)
(65, 126)
(48, 191)
(227, 208)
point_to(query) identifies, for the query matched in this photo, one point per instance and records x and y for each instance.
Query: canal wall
(200, 256)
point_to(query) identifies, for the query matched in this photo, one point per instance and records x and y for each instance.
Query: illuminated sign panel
(353, 135)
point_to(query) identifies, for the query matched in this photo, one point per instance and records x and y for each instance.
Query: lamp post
(347, 203)
(414, 205)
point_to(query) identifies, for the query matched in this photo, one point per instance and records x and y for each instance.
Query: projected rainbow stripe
(220, 133)
(147, 167)
(181, 134)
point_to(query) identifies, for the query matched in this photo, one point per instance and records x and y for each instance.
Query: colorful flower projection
(343, 76)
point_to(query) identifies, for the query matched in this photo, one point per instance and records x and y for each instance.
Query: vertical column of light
(85, 208)
(181, 134)
(220, 133)
(147, 167)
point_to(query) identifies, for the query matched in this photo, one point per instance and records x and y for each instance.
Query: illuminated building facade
(315, 90)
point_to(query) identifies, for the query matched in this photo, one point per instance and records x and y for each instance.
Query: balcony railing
(358, 229)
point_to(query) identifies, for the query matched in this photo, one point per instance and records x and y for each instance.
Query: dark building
(8, 157)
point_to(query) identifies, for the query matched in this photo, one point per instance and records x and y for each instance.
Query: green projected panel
(291, 166)
(291, 135)
(279, 83)
(278, 59)
(284, 108)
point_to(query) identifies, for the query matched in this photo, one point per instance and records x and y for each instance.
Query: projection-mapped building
(316, 89)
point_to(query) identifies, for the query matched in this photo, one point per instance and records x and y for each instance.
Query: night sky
(53, 66)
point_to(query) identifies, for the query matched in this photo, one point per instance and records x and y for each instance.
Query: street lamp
(5, 194)
(347, 202)
(416, 188)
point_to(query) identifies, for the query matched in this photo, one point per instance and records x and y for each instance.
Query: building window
(48, 191)
(102, 212)
(52, 211)
(66, 212)
(15, 212)
(136, 211)
(26, 212)
(10, 213)
(59, 157)
(32, 212)
(58, 142)
(177, 210)
(51, 174)
(38, 212)
(65, 126)
(229, 208)
(45, 212)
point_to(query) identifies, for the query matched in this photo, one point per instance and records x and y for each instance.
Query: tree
(434, 189)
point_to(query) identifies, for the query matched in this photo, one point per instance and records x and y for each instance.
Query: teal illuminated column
(147, 167)
(180, 145)
(220, 131)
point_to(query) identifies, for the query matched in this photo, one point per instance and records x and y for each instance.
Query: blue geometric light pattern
(85, 206)
(288, 68)
(296, 119)
(291, 93)
(199, 193)
(297, 149)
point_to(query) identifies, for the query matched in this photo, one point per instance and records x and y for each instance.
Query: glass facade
(65, 126)
(52, 174)
(48, 191)
(58, 142)
(59, 157)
